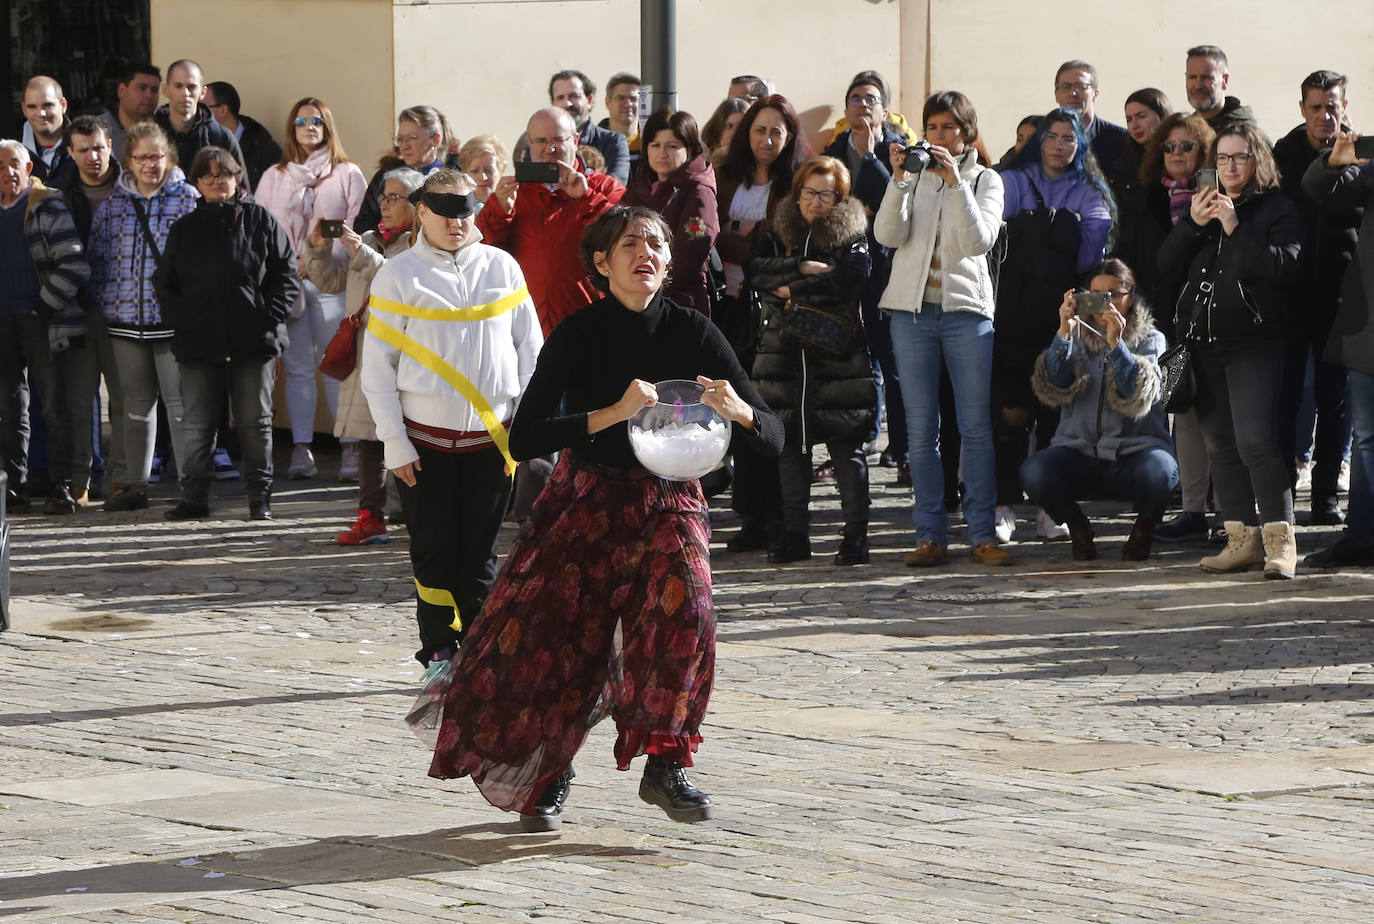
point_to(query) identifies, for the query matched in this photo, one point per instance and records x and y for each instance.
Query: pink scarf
(300, 209)
(1180, 195)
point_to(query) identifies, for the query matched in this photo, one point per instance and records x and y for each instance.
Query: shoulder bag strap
(147, 231)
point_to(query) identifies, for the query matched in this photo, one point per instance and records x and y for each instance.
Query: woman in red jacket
(676, 181)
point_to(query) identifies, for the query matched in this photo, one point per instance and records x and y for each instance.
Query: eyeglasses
(1170, 147)
(302, 121)
(403, 140)
(214, 179)
(555, 142)
(1061, 141)
(827, 196)
(149, 158)
(1240, 160)
(391, 198)
(1073, 87)
(866, 100)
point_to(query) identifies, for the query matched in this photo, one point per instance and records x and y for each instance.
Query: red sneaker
(369, 529)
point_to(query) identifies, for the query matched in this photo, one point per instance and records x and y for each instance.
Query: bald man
(540, 224)
(187, 120)
(45, 117)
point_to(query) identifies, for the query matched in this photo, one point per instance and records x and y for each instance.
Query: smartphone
(1364, 147)
(1205, 178)
(331, 228)
(1086, 304)
(527, 171)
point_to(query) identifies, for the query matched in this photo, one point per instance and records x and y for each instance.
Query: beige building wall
(276, 51)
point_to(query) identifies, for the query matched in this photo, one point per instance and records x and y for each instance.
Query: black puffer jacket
(226, 282)
(819, 396)
(1251, 270)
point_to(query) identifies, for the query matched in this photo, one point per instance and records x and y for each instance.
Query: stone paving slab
(1056, 740)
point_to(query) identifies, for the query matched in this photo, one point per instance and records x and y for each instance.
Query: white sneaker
(1343, 479)
(224, 468)
(302, 463)
(1049, 530)
(348, 462)
(1004, 523)
(1304, 476)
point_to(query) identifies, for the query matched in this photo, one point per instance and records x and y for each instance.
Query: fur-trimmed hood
(842, 224)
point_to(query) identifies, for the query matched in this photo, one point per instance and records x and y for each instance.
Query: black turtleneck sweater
(591, 358)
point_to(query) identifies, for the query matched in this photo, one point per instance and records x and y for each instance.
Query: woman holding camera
(1059, 216)
(1236, 250)
(942, 221)
(315, 180)
(675, 180)
(813, 260)
(1102, 372)
(755, 176)
(351, 272)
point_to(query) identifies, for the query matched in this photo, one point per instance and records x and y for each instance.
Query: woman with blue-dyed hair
(1059, 214)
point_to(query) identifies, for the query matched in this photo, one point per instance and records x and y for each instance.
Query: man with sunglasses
(187, 120)
(1331, 232)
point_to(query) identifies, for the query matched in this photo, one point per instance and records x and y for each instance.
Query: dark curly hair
(601, 235)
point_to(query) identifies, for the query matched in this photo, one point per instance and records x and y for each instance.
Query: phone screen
(1364, 147)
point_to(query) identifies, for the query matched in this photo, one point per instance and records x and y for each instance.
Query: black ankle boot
(665, 784)
(548, 811)
(791, 547)
(853, 551)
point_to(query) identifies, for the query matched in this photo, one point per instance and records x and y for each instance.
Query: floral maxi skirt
(603, 607)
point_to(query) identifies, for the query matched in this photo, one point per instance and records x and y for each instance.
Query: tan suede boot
(1280, 551)
(1243, 552)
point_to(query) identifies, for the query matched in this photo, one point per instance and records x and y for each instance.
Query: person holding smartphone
(1102, 372)
(1237, 251)
(315, 180)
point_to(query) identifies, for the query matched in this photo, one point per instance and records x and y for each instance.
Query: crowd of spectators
(1004, 320)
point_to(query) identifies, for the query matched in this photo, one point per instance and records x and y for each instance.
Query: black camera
(917, 157)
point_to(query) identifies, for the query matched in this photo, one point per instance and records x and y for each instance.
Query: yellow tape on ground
(437, 596)
(435, 363)
(472, 313)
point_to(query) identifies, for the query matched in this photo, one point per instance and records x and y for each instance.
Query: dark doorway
(82, 43)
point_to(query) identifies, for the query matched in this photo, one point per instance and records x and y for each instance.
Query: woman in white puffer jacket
(942, 222)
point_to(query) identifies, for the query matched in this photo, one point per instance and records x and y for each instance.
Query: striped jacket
(60, 259)
(122, 265)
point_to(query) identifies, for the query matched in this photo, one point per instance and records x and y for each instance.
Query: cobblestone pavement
(202, 721)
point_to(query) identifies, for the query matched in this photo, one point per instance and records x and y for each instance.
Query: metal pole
(658, 52)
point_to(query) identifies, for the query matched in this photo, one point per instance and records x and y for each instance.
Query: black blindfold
(449, 205)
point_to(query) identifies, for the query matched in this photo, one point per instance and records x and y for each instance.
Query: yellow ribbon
(471, 313)
(437, 596)
(435, 363)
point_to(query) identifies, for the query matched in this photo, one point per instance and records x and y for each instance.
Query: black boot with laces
(665, 784)
(548, 811)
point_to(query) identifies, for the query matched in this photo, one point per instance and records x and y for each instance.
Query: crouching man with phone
(1113, 440)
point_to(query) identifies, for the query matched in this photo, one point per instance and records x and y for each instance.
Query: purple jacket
(1066, 191)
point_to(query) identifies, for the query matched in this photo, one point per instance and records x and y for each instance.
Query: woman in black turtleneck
(604, 605)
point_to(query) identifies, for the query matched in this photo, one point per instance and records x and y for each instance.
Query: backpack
(998, 253)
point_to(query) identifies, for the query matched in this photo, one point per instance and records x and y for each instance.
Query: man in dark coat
(260, 149)
(186, 120)
(1328, 248)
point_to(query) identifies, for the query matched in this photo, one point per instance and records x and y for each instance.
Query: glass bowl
(679, 438)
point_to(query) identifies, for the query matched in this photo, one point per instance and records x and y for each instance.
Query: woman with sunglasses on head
(1159, 197)
(423, 142)
(1236, 252)
(1102, 372)
(315, 180)
(1059, 215)
(128, 234)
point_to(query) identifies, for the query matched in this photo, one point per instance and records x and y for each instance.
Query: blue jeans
(965, 341)
(1056, 477)
(1359, 521)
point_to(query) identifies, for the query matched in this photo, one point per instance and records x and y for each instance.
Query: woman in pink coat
(315, 181)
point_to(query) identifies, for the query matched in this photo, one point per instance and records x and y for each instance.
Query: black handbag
(804, 327)
(1178, 384)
